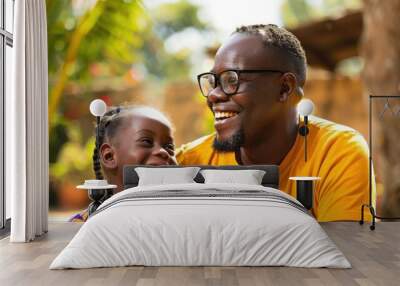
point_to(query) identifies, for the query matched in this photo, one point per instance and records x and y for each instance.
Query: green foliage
(59, 12)
(296, 12)
(174, 17)
(350, 67)
(92, 41)
(114, 39)
(166, 20)
(115, 33)
(74, 161)
(337, 6)
(120, 34)
(58, 137)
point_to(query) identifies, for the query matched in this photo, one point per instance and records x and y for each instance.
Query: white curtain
(27, 124)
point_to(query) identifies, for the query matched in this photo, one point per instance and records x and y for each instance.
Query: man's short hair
(285, 41)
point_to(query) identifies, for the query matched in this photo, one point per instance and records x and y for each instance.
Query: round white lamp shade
(305, 107)
(98, 107)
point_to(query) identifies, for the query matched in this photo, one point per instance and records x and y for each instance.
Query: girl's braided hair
(107, 128)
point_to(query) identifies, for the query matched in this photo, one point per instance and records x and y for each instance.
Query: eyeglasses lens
(229, 81)
(207, 83)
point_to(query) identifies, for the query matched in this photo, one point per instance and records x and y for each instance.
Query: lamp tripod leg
(362, 214)
(372, 210)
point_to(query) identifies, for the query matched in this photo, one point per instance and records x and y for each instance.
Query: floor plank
(374, 255)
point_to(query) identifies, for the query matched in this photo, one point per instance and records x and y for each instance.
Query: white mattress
(144, 226)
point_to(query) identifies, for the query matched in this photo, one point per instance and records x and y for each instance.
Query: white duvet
(222, 225)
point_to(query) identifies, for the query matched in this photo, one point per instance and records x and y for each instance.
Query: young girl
(129, 136)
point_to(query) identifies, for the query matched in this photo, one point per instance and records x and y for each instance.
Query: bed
(201, 223)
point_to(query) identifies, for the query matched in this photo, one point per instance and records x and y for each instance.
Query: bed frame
(270, 179)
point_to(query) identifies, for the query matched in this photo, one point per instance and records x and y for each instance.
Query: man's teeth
(220, 115)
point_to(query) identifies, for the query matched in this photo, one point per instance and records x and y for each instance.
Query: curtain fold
(27, 124)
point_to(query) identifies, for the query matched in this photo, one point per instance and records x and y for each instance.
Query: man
(253, 90)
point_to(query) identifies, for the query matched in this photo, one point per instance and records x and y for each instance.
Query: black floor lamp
(370, 205)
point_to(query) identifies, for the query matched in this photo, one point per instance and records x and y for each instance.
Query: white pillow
(162, 176)
(249, 177)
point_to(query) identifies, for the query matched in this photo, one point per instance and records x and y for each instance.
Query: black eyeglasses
(228, 80)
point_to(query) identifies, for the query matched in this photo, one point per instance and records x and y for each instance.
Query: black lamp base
(305, 193)
(97, 197)
(98, 192)
(305, 190)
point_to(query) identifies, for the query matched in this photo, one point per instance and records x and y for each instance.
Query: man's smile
(224, 115)
(226, 120)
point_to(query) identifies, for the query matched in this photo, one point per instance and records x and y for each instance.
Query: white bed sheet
(200, 231)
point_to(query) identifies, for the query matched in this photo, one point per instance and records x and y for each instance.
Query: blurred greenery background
(114, 50)
(124, 51)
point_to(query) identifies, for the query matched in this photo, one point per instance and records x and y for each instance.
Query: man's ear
(108, 156)
(288, 86)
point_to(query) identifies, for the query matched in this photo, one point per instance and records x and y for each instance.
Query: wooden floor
(374, 255)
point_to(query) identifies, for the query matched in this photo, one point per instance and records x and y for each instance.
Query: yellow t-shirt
(336, 153)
